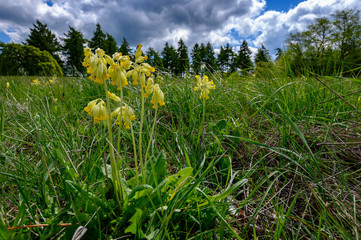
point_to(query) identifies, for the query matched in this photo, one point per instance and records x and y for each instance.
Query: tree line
(175, 60)
(328, 46)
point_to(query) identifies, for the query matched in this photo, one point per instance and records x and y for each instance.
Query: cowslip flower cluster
(140, 70)
(158, 96)
(125, 114)
(204, 85)
(96, 109)
(120, 69)
(96, 65)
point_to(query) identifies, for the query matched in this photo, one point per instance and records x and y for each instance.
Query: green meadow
(267, 156)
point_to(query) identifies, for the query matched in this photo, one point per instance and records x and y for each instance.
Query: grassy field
(275, 157)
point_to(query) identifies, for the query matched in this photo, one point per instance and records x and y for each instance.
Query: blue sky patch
(4, 37)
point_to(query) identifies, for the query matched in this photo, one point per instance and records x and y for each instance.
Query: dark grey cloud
(152, 23)
(139, 20)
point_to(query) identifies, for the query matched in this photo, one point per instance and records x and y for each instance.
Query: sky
(155, 22)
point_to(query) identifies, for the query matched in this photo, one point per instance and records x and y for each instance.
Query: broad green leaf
(135, 222)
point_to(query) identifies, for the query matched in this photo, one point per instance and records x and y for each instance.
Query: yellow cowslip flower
(125, 62)
(99, 71)
(117, 55)
(35, 82)
(97, 65)
(204, 85)
(114, 97)
(149, 88)
(7, 85)
(138, 52)
(126, 117)
(88, 54)
(90, 105)
(118, 75)
(142, 80)
(147, 69)
(87, 51)
(158, 97)
(134, 74)
(98, 111)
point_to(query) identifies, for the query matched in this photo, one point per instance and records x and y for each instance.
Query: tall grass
(278, 158)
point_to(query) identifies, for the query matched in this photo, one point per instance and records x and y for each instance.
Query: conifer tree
(98, 39)
(170, 58)
(154, 59)
(209, 58)
(42, 37)
(243, 60)
(124, 47)
(196, 59)
(183, 59)
(73, 50)
(110, 45)
(278, 53)
(262, 55)
(226, 58)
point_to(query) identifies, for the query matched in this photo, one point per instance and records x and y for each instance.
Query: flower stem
(201, 126)
(115, 172)
(135, 154)
(150, 140)
(140, 135)
(120, 127)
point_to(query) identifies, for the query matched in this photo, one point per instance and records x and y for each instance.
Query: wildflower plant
(35, 82)
(203, 86)
(116, 71)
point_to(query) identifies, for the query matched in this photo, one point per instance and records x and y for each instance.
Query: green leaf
(140, 191)
(158, 171)
(134, 227)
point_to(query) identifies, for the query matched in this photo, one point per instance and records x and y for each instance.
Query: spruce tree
(183, 59)
(73, 49)
(226, 59)
(154, 59)
(42, 37)
(98, 39)
(243, 60)
(110, 45)
(209, 58)
(262, 55)
(124, 47)
(170, 58)
(278, 53)
(196, 59)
